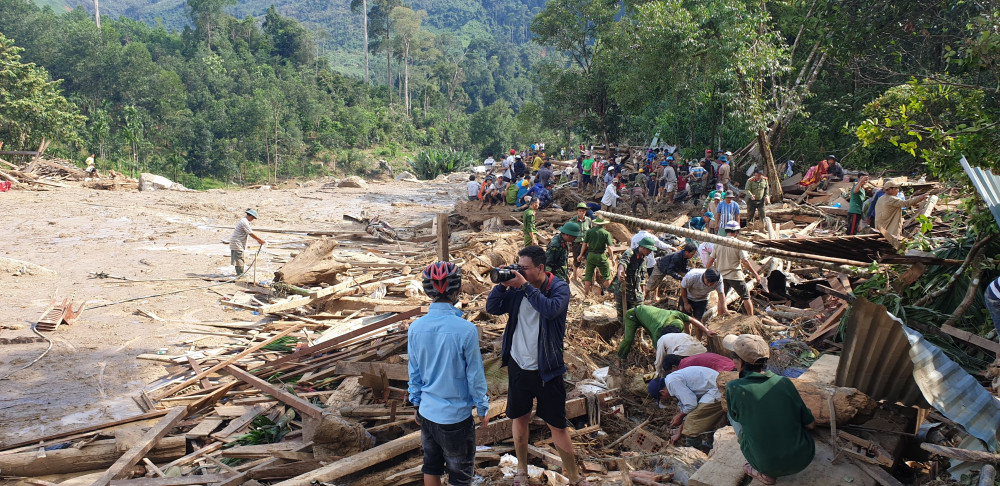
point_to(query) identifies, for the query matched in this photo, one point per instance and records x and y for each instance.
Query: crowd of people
(447, 383)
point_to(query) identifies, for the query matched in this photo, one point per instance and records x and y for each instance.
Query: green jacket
(557, 257)
(529, 225)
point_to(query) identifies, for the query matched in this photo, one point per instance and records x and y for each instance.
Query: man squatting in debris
(695, 287)
(536, 303)
(446, 379)
(699, 404)
(657, 322)
(771, 422)
(238, 241)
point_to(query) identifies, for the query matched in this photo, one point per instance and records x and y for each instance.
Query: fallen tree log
(314, 265)
(847, 402)
(99, 454)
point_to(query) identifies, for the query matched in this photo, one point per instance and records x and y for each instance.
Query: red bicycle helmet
(441, 279)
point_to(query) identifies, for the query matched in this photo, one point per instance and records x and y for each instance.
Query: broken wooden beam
(82, 430)
(357, 462)
(178, 481)
(226, 362)
(961, 454)
(145, 444)
(301, 405)
(99, 454)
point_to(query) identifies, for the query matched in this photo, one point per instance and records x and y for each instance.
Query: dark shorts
(473, 198)
(853, 223)
(451, 447)
(525, 386)
(586, 179)
(698, 308)
(738, 285)
(505, 178)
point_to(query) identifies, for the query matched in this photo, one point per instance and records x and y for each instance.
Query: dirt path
(147, 235)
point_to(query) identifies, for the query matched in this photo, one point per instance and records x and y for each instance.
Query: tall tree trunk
(97, 15)
(773, 177)
(364, 29)
(388, 59)
(406, 76)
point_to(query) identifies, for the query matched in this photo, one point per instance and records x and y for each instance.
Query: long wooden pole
(357, 462)
(835, 264)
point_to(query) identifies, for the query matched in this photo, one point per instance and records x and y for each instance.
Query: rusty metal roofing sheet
(988, 186)
(876, 357)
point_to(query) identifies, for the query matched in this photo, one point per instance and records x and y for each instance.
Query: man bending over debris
(717, 362)
(695, 287)
(675, 265)
(536, 303)
(772, 423)
(630, 286)
(446, 379)
(238, 241)
(699, 404)
(657, 322)
(677, 343)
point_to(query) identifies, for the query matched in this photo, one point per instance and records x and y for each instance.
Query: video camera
(503, 274)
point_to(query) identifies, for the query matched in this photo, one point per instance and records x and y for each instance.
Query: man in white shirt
(472, 187)
(695, 286)
(508, 167)
(679, 343)
(489, 163)
(238, 241)
(668, 180)
(699, 403)
(610, 199)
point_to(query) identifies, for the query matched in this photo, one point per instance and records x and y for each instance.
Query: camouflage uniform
(635, 281)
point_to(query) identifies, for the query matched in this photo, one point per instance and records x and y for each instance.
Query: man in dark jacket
(535, 303)
(674, 265)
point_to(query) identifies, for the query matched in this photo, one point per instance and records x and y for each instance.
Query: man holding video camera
(536, 303)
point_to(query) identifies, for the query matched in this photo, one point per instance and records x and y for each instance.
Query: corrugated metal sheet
(988, 186)
(952, 390)
(876, 358)
(862, 248)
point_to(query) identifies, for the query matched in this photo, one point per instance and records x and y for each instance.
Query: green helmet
(582, 205)
(648, 244)
(570, 228)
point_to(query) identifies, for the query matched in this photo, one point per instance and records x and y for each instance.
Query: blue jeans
(993, 305)
(451, 446)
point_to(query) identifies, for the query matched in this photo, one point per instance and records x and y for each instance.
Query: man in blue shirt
(446, 379)
(536, 303)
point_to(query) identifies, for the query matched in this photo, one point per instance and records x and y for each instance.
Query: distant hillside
(333, 21)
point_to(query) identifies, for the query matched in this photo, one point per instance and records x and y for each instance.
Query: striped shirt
(238, 242)
(995, 288)
(728, 212)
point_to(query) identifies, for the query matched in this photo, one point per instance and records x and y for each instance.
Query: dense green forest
(241, 92)
(252, 99)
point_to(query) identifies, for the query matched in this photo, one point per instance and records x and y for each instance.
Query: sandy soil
(91, 373)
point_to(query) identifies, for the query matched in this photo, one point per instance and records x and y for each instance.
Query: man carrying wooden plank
(238, 241)
(446, 379)
(771, 421)
(536, 303)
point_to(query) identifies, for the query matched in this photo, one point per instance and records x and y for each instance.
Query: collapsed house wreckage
(316, 391)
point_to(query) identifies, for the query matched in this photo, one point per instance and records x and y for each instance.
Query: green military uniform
(635, 281)
(529, 226)
(556, 257)
(770, 418)
(598, 240)
(656, 321)
(585, 226)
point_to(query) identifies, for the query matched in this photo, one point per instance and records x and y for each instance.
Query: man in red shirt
(717, 362)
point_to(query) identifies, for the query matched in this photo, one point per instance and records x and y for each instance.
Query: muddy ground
(92, 374)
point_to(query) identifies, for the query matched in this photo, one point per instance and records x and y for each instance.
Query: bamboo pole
(835, 264)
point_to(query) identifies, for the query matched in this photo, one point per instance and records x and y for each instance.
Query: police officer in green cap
(557, 255)
(631, 279)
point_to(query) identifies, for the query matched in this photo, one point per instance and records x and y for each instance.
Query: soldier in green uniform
(598, 254)
(530, 232)
(557, 255)
(585, 223)
(632, 275)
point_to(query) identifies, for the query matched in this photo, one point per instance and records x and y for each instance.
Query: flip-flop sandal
(521, 479)
(763, 478)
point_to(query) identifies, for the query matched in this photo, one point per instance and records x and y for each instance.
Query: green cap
(601, 220)
(647, 243)
(582, 205)
(570, 228)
